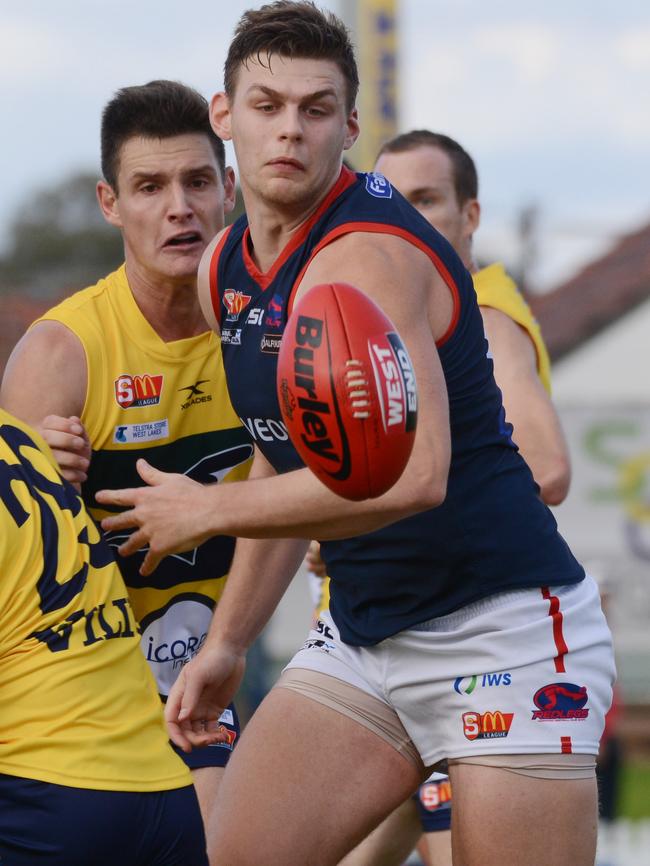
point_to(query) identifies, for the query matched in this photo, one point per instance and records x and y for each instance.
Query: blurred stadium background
(597, 325)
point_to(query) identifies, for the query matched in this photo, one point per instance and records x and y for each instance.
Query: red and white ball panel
(347, 391)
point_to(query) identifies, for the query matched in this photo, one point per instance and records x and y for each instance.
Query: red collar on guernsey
(345, 179)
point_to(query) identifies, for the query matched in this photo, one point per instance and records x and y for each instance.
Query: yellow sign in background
(375, 29)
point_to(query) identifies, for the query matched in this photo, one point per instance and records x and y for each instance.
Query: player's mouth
(286, 163)
(184, 241)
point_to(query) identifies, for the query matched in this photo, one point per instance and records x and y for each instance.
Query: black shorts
(42, 824)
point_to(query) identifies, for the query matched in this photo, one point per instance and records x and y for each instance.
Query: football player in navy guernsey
(457, 573)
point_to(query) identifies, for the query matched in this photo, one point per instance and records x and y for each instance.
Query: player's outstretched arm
(260, 573)
(402, 280)
(537, 429)
(45, 384)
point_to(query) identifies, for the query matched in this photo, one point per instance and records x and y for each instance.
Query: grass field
(635, 791)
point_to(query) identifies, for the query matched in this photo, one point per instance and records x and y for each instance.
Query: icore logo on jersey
(195, 394)
(235, 302)
(124, 434)
(378, 186)
(559, 702)
(466, 685)
(487, 726)
(132, 392)
(395, 381)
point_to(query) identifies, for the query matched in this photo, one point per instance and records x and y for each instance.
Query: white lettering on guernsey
(265, 429)
(174, 636)
(126, 433)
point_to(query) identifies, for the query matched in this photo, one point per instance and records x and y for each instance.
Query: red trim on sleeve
(214, 263)
(557, 617)
(384, 228)
(345, 180)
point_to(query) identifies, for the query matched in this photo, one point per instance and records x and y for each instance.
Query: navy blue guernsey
(492, 533)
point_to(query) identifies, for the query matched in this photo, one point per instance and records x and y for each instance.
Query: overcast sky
(552, 100)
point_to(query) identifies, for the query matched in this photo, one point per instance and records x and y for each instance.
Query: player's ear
(229, 190)
(471, 216)
(220, 115)
(108, 203)
(352, 129)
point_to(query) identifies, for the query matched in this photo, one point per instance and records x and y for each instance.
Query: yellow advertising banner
(376, 37)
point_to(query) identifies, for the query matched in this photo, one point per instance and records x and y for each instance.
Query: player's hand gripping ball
(347, 391)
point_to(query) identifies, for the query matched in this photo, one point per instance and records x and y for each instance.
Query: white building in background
(599, 325)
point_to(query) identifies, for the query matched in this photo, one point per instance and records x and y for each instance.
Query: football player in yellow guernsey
(127, 368)
(87, 775)
(440, 180)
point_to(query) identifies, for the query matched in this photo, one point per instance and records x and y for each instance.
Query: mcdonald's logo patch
(134, 391)
(487, 726)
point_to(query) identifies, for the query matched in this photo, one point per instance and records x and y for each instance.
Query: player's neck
(172, 309)
(272, 226)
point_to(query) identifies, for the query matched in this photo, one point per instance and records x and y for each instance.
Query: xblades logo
(194, 389)
(196, 395)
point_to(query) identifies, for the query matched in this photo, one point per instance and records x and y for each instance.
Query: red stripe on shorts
(558, 637)
(567, 748)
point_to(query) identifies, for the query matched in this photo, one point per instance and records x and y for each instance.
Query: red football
(347, 391)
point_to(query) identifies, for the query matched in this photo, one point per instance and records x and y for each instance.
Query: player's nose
(179, 205)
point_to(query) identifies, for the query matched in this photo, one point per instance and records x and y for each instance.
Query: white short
(522, 672)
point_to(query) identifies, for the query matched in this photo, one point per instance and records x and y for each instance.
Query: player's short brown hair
(159, 109)
(465, 175)
(296, 30)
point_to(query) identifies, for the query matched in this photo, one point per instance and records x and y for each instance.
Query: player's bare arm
(403, 282)
(45, 385)
(261, 569)
(528, 406)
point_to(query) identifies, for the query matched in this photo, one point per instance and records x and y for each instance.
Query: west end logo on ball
(320, 413)
(395, 383)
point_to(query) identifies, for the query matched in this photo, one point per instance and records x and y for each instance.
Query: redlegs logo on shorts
(487, 726)
(560, 702)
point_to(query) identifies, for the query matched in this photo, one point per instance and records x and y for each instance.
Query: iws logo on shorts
(235, 302)
(487, 726)
(466, 685)
(560, 702)
(132, 392)
(378, 186)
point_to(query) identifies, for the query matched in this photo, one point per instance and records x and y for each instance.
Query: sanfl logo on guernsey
(235, 302)
(378, 186)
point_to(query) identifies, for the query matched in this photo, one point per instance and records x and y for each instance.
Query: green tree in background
(59, 241)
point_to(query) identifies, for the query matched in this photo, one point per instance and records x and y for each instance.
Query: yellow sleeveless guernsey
(79, 705)
(167, 402)
(494, 288)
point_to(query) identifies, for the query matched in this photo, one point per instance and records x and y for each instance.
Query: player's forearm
(261, 572)
(297, 505)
